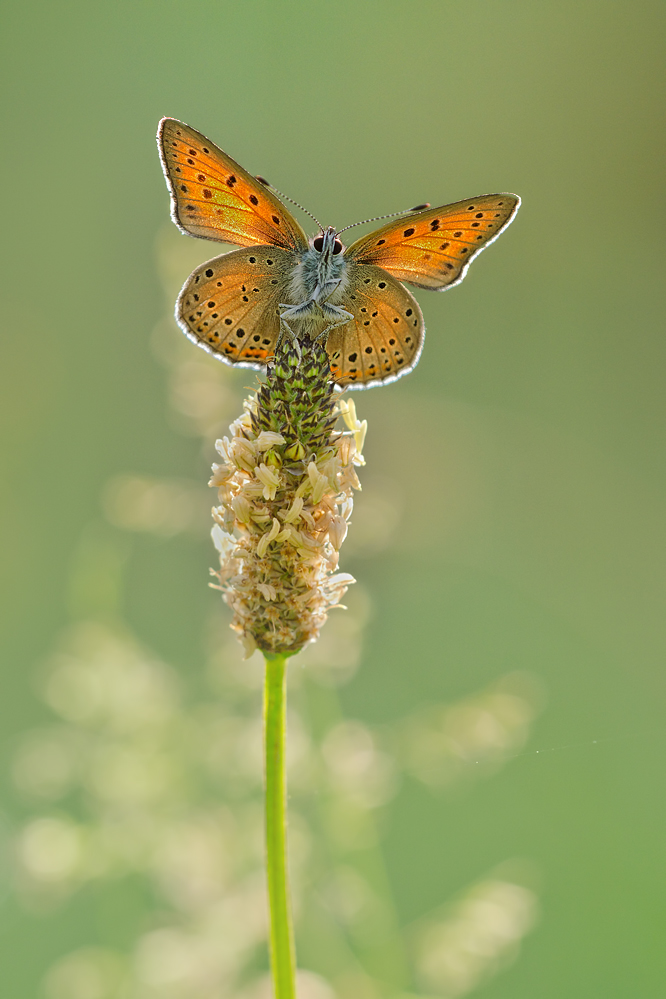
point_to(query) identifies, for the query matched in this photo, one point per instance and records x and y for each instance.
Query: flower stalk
(281, 933)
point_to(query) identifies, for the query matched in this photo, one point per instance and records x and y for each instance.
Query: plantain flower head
(285, 487)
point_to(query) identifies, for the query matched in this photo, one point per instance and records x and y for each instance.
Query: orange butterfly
(238, 305)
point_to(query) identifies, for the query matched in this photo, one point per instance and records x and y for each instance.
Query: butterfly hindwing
(432, 249)
(385, 337)
(213, 197)
(229, 305)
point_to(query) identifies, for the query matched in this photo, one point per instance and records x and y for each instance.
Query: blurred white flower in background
(480, 935)
(89, 973)
(165, 507)
(444, 744)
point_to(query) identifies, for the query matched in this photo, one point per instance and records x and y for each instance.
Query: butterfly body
(280, 283)
(318, 281)
(320, 273)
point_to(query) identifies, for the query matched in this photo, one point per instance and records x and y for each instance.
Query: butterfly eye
(337, 246)
(319, 244)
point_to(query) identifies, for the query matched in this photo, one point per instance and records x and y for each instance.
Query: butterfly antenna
(266, 183)
(391, 215)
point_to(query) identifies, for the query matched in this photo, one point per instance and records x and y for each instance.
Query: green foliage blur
(478, 744)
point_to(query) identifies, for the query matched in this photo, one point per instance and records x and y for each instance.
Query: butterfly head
(327, 244)
(321, 270)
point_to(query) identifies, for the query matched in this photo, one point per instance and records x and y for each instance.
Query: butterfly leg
(286, 330)
(312, 309)
(301, 311)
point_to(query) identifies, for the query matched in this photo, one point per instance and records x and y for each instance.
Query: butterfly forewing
(213, 197)
(229, 305)
(432, 249)
(385, 338)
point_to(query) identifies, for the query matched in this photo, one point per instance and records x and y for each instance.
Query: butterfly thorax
(320, 275)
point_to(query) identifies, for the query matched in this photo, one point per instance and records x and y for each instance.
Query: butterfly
(238, 305)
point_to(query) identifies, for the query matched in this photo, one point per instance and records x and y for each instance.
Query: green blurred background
(517, 476)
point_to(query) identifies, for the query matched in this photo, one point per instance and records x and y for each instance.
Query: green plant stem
(281, 932)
